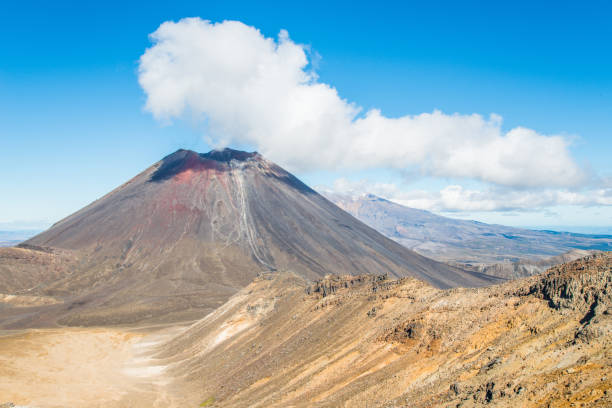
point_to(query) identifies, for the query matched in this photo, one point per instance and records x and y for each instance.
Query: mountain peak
(227, 154)
(187, 232)
(183, 160)
(221, 155)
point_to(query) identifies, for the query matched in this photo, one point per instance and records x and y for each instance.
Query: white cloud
(456, 198)
(262, 92)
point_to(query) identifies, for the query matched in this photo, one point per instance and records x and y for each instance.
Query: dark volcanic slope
(463, 241)
(189, 231)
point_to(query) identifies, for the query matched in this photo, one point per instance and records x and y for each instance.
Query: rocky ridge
(371, 341)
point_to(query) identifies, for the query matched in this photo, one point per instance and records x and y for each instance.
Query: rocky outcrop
(333, 283)
(584, 285)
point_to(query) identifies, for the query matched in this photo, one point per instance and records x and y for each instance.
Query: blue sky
(73, 123)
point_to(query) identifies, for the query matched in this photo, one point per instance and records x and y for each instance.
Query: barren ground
(101, 367)
(365, 341)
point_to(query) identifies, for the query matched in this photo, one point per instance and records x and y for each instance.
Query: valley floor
(89, 367)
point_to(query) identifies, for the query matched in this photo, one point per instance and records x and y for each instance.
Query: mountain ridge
(371, 341)
(462, 241)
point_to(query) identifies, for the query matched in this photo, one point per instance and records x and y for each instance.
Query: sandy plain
(85, 367)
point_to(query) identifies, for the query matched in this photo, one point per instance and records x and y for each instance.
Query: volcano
(181, 237)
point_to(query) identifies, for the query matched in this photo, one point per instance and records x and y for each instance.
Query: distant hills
(14, 237)
(461, 241)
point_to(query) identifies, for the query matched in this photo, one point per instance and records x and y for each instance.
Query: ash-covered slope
(463, 241)
(186, 233)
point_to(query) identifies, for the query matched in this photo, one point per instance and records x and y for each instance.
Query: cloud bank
(263, 92)
(456, 198)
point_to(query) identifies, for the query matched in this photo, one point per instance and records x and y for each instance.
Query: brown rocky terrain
(176, 241)
(374, 342)
(24, 269)
(342, 341)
